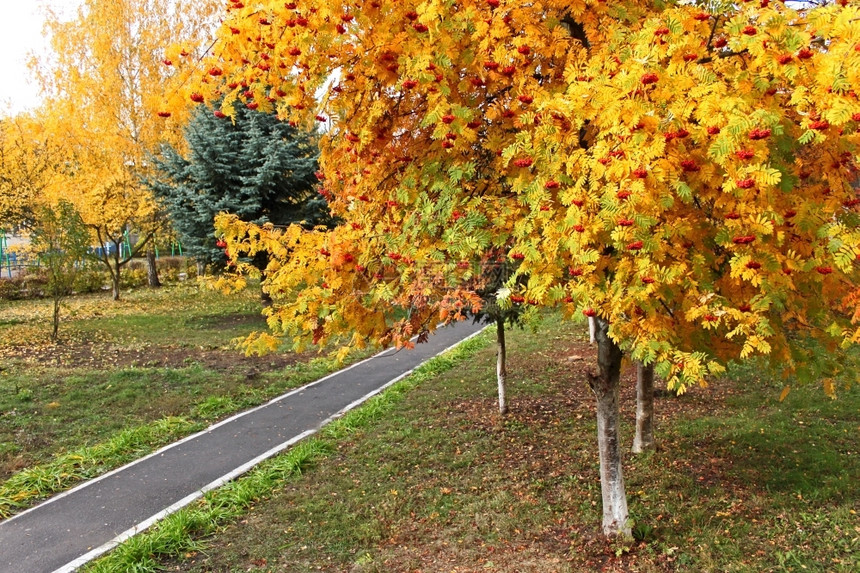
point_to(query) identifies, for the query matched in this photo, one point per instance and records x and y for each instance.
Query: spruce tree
(252, 165)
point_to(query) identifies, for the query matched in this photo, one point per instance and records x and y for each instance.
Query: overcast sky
(20, 34)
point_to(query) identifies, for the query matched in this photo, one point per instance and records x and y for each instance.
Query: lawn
(435, 480)
(126, 377)
(740, 482)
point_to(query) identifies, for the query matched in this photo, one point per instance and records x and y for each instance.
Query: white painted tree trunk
(644, 438)
(592, 327)
(606, 388)
(501, 366)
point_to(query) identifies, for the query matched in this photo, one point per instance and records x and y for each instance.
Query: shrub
(90, 279)
(30, 285)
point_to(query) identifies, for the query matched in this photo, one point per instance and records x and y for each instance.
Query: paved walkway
(73, 528)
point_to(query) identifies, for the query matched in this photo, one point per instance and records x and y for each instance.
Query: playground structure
(14, 262)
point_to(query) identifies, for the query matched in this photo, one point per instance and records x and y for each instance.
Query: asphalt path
(75, 527)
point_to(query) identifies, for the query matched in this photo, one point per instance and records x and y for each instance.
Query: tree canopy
(684, 173)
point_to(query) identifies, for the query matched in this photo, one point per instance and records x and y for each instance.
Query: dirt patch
(228, 321)
(104, 355)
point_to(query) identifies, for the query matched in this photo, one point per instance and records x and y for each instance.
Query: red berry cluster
(757, 134)
(649, 78)
(690, 166)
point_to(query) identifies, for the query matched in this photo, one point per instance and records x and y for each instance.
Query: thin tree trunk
(201, 268)
(501, 366)
(265, 298)
(115, 276)
(644, 438)
(151, 268)
(591, 330)
(606, 388)
(56, 326)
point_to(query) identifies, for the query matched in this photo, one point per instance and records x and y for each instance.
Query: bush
(133, 275)
(30, 285)
(169, 268)
(90, 279)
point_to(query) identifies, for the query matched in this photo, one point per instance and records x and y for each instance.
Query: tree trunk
(501, 366)
(115, 276)
(201, 268)
(265, 298)
(591, 330)
(606, 388)
(56, 325)
(644, 438)
(151, 268)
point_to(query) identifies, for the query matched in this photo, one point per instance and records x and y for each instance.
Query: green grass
(179, 315)
(122, 370)
(438, 482)
(19, 491)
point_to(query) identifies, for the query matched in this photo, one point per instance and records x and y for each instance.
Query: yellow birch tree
(106, 83)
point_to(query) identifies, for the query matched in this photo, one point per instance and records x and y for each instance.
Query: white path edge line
(129, 533)
(171, 445)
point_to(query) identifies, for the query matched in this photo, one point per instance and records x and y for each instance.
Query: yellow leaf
(829, 388)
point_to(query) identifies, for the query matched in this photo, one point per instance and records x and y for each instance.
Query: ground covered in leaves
(740, 482)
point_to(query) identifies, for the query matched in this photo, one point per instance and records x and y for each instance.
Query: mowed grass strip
(181, 533)
(741, 482)
(110, 393)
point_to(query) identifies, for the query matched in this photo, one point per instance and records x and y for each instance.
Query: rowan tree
(681, 174)
(492, 285)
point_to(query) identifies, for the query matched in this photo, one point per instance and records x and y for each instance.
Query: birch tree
(106, 81)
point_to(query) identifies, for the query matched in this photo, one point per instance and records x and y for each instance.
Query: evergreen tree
(254, 166)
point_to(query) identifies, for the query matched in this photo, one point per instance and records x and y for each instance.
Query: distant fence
(14, 263)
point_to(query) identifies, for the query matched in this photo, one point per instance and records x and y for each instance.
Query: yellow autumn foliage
(687, 173)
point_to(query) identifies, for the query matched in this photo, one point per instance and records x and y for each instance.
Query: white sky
(20, 34)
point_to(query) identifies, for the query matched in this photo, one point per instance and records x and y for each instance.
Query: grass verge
(741, 482)
(180, 533)
(23, 488)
